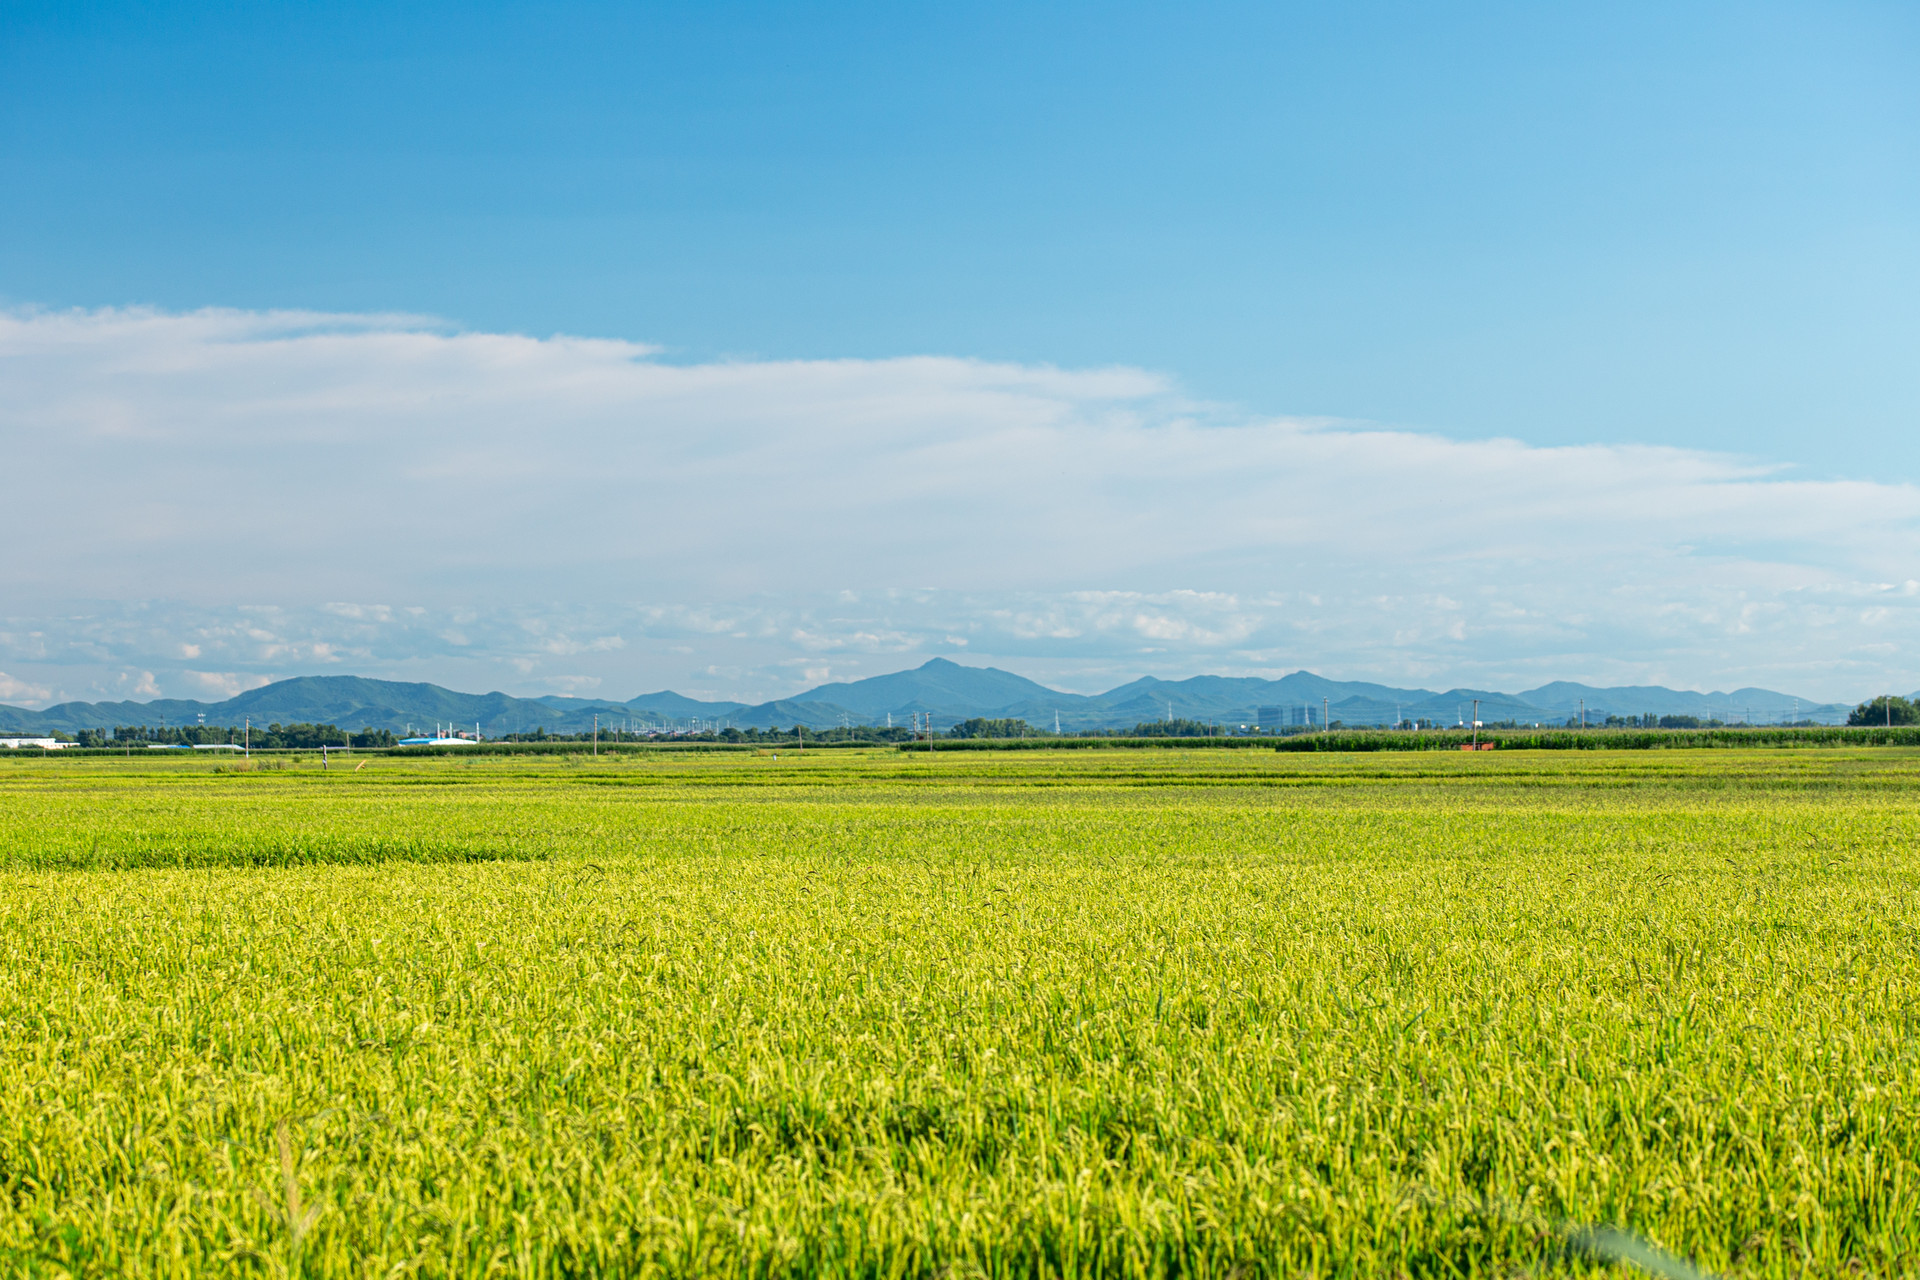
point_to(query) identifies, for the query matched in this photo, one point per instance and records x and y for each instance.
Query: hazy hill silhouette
(941, 689)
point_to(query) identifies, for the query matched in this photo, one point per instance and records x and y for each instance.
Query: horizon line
(802, 695)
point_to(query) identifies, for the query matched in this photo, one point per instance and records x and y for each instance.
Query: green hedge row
(1604, 739)
(1078, 744)
(1453, 740)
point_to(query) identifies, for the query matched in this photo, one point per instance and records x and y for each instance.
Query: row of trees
(1176, 728)
(266, 738)
(1868, 713)
(984, 728)
(1649, 721)
(1886, 709)
(980, 727)
(977, 727)
(774, 737)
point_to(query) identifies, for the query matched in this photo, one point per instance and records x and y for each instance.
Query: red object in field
(1488, 746)
(1466, 746)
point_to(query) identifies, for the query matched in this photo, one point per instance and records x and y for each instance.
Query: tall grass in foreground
(1446, 1020)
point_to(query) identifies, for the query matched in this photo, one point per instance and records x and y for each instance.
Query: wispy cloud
(247, 493)
(217, 685)
(20, 691)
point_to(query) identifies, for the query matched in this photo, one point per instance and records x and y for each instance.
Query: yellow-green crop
(1170, 1013)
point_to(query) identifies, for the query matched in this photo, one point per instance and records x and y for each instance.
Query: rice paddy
(1194, 1013)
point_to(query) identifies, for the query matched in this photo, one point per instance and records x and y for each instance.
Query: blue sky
(1686, 226)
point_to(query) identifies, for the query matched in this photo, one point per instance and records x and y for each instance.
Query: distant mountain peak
(946, 690)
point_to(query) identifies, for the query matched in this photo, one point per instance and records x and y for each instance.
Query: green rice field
(870, 1013)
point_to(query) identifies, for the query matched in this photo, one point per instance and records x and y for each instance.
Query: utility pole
(247, 740)
(596, 735)
(1583, 713)
(1476, 723)
(1325, 703)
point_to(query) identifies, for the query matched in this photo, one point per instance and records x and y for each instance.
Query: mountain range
(942, 690)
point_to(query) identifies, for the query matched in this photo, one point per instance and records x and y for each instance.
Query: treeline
(1177, 728)
(798, 733)
(1651, 721)
(1092, 741)
(1590, 739)
(1614, 731)
(1558, 739)
(979, 727)
(271, 737)
(1886, 711)
(1168, 729)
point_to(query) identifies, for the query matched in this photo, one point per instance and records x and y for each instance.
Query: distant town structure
(46, 744)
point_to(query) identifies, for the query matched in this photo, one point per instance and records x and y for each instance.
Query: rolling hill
(941, 689)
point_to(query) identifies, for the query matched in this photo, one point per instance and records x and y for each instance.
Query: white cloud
(571, 684)
(12, 690)
(217, 685)
(506, 508)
